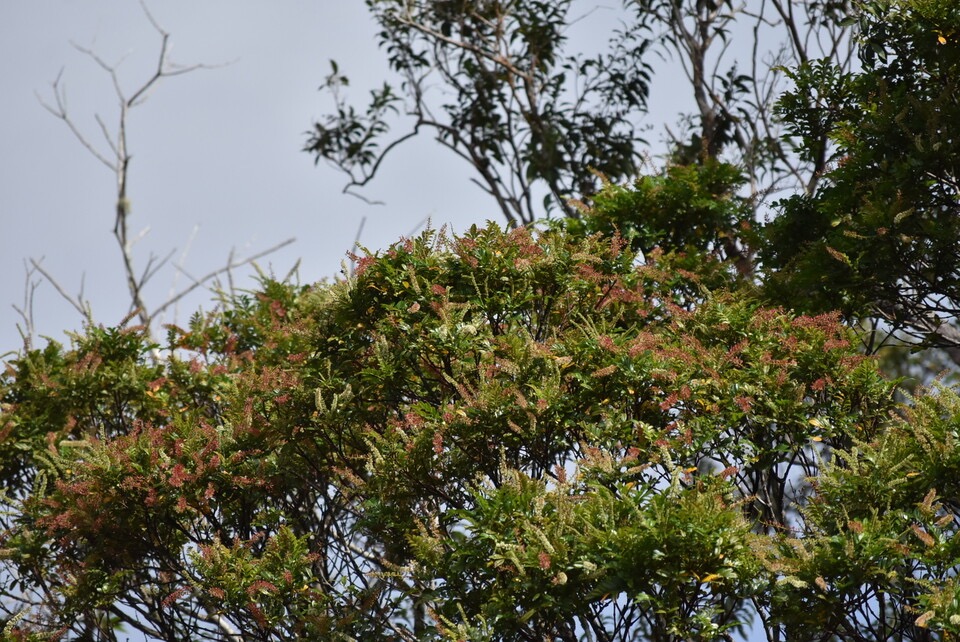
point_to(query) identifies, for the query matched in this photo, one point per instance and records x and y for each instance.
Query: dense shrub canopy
(879, 235)
(601, 429)
(503, 435)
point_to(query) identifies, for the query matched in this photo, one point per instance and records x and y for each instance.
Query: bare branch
(30, 285)
(153, 266)
(199, 282)
(60, 111)
(118, 161)
(79, 304)
(369, 174)
(498, 59)
(230, 271)
(181, 261)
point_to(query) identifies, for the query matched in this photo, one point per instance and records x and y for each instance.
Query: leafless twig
(30, 285)
(116, 157)
(206, 278)
(79, 302)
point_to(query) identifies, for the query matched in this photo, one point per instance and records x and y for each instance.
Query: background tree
(878, 238)
(493, 82)
(734, 58)
(511, 101)
(114, 153)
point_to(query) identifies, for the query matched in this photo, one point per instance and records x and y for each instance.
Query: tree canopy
(880, 234)
(501, 435)
(504, 435)
(504, 87)
(656, 418)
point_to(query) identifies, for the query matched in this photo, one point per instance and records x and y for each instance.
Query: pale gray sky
(217, 149)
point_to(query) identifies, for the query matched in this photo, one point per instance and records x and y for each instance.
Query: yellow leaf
(816, 438)
(709, 578)
(941, 40)
(923, 619)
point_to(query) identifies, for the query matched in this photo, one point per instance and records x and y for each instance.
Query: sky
(216, 161)
(217, 165)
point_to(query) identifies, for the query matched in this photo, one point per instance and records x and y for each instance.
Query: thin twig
(60, 112)
(78, 304)
(28, 330)
(198, 282)
(118, 161)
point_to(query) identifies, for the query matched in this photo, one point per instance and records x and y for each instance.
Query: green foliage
(524, 112)
(879, 237)
(594, 429)
(98, 388)
(881, 534)
(503, 435)
(598, 429)
(691, 211)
